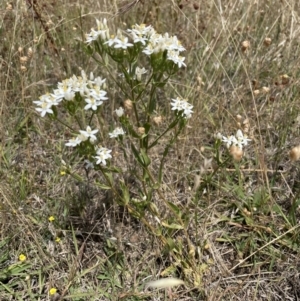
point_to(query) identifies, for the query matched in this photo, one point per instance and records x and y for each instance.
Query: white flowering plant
(139, 62)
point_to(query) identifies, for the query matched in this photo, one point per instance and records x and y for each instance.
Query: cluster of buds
(24, 58)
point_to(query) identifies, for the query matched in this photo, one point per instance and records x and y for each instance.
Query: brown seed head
(256, 92)
(265, 89)
(236, 153)
(23, 68)
(157, 120)
(20, 49)
(128, 105)
(141, 130)
(285, 79)
(9, 6)
(23, 59)
(245, 45)
(295, 153)
(30, 52)
(267, 42)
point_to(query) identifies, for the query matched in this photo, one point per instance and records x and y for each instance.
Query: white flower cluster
(83, 136)
(89, 89)
(151, 41)
(116, 132)
(103, 154)
(181, 105)
(238, 140)
(102, 32)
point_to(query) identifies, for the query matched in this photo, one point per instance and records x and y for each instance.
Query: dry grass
(241, 241)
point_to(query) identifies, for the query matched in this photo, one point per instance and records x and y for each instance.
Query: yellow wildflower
(22, 257)
(51, 218)
(52, 291)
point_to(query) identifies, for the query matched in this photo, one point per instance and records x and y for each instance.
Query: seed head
(157, 120)
(265, 90)
(30, 52)
(245, 46)
(23, 59)
(128, 105)
(285, 79)
(236, 153)
(267, 42)
(295, 153)
(23, 68)
(141, 130)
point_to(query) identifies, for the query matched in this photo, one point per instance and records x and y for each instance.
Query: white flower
(89, 133)
(92, 103)
(139, 72)
(88, 164)
(97, 93)
(182, 105)
(122, 43)
(73, 142)
(174, 56)
(44, 107)
(148, 50)
(116, 132)
(230, 140)
(102, 155)
(238, 140)
(242, 140)
(102, 32)
(120, 112)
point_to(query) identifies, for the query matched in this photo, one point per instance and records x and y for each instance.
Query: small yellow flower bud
(51, 218)
(141, 130)
(295, 153)
(236, 153)
(128, 105)
(267, 42)
(245, 45)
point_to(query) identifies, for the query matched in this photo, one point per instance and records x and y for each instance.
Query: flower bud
(128, 105)
(285, 79)
(157, 120)
(119, 112)
(236, 153)
(30, 52)
(20, 49)
(256, 92)
(267, 42)
(245, 45)
(23, 68)
(23, 59)
(265, 89)
(141, 130)
(295, 153)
